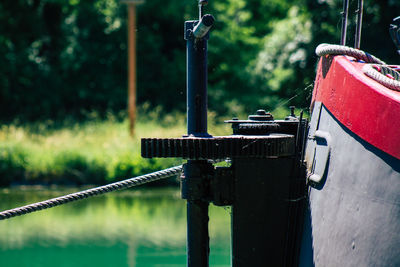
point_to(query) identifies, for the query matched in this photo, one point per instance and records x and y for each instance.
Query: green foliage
(129, 166)
(281, 61)
(75, 168)
(12, 164)
(94, 152)
(376, 19)
(234, 44)
(59, 58)
(65, 59)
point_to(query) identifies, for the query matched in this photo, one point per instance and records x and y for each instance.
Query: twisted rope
(147, 178)
(329, 49)
(382, 73)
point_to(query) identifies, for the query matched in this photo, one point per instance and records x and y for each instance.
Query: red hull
(365, 107)
(353, 162)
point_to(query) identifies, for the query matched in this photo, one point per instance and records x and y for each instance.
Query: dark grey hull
(353, 218)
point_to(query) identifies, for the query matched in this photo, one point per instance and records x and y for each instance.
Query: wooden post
(132, 66)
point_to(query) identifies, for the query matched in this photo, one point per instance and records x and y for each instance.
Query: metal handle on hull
(321, 156)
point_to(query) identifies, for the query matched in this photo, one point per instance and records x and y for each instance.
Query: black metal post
(196, 81)
(193, 182)
(345, 13)
(197, 229)
(360, 7)
(193, 190)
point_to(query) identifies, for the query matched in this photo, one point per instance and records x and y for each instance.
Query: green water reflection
(144, 227)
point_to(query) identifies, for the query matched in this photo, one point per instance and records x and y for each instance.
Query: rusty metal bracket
(221, 186)
(208, 184)
(197, 187)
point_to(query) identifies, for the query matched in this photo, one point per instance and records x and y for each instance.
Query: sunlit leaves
(283, 50)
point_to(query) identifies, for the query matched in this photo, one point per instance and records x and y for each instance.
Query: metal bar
(359, 12)
(197, 208)
(202, 3)
(344, 21)
(197, 229)
(201, 11)
(193, 189)
(196, 82)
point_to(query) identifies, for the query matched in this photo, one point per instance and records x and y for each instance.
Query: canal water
(137, 227)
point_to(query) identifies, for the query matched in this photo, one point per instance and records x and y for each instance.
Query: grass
(97, 151)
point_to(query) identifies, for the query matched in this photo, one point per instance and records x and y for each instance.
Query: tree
(68, 58)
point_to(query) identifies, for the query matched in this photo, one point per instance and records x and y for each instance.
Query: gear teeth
(220, 147)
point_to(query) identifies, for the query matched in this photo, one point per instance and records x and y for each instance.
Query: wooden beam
(132, 66)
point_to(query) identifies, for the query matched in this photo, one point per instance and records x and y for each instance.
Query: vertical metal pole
(196, 55)
(202, 3)
(201, 10)
(198, 240)
(197, 213)
(132, 67)
(344, 21)
(197, 209)
(359, 23)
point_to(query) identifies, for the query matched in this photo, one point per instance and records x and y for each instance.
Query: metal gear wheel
(220, 147)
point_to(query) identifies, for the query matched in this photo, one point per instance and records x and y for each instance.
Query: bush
(74, 168)
(94, 152)
(130, 166)
(12, 165)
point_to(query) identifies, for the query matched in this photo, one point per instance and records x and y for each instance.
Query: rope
(382, 73)
(329, 49)
(147, 178)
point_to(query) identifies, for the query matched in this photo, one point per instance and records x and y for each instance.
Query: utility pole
(131, 7)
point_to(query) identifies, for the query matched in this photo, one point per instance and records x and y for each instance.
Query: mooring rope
(384, 75)
(330, 49)
(377, 70)
(135, 181)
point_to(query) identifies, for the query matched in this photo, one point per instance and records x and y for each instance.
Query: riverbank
(97, 151)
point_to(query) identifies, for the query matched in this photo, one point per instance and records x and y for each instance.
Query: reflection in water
(144, 227)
